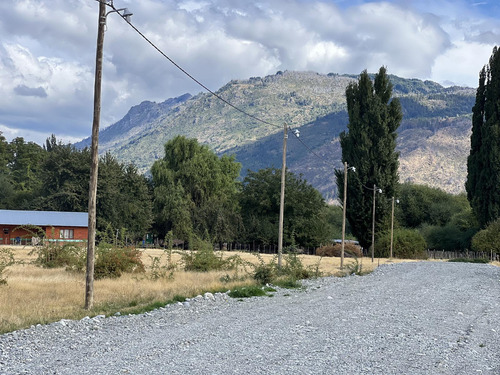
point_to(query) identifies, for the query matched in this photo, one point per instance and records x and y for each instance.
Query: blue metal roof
(44, 218)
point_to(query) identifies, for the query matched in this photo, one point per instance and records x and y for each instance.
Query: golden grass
(37, 295)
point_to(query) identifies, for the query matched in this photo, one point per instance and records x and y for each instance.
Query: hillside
(433, 138)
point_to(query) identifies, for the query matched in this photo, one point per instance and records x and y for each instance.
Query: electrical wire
(206, 88)
(192, 77)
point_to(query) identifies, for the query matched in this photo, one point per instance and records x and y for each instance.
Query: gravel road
(410, 318)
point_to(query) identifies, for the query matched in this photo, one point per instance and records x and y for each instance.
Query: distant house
(29, 227)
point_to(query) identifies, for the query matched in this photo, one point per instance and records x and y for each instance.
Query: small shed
(28, 227)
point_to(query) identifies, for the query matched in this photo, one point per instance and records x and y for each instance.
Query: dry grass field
(35, 295)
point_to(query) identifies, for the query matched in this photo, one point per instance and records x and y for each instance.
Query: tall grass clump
(6, 260)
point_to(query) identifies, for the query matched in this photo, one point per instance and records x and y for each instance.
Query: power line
(192, 77)
(209, 90)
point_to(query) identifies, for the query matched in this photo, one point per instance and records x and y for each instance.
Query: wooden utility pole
(343, 217)
(282, 197)
(373, 222)
(89, 285)
(392, 227)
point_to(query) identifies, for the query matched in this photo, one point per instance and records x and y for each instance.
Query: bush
(350, 250)
(488, 239)
(292, 269)
(408, 244)
(53, 255)
(112, 261)
(264, 274)
(449, 237)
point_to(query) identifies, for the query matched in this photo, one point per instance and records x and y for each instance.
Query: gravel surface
(409, 318)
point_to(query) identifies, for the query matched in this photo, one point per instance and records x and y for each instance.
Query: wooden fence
(441, 254)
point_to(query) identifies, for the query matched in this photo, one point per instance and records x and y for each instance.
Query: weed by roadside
(291, 270)
(247, 292)
(356, 268)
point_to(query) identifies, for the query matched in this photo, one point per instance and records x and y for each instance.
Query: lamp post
(375, 189)
(344, 212)
(124, 12)
(392, 225)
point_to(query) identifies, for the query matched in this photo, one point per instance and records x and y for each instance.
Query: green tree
(64, 176)
(488, 239)
(24, 168)
(407, 244)
(195, 192)
(123, 198)
(369, 145)
(420, 204)
(483, 163)
(305, 220)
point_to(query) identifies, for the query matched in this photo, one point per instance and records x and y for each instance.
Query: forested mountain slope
(433, 138)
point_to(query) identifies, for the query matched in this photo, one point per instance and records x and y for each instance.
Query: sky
(47, 50)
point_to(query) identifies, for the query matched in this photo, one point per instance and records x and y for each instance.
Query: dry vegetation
(35, 295)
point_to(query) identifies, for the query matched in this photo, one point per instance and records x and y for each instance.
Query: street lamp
(392, 225)
(344, 212)
(126, 14)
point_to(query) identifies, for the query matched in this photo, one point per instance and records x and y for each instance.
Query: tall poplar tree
(369, 145)
(483, 163)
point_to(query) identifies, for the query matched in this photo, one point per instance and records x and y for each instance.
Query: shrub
(350, 250)
(294, 269)
(162, 271)
(53, 255)
(408, 244)
(488, 239)
(6, 259)
(264, 274)
(449, 237)
(112, 261)
(291, 269)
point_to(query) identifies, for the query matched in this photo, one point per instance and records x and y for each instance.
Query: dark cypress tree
(369, 145)
(483, 163)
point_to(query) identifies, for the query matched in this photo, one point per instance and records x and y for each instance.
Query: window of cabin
(66, 233)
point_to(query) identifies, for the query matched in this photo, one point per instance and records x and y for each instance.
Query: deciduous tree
(305, 219)
(195, 192)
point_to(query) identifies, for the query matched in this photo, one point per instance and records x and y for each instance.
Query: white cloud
(47, 50)
(457, 63)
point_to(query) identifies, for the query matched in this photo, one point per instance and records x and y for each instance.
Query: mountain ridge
(432, 141)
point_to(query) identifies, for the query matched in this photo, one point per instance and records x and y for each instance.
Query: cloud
(24, 90)
(47, 50)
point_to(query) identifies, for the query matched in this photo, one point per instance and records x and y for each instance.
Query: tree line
(194, 195)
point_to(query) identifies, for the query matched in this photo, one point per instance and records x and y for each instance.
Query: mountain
(433, 139)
